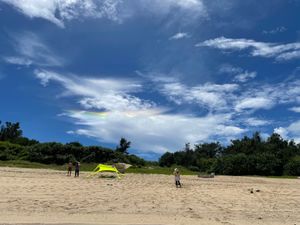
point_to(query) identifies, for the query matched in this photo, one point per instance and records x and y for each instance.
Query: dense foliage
(15, 147)
(248, 156)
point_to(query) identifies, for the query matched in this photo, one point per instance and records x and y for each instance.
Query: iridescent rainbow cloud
(105, 114)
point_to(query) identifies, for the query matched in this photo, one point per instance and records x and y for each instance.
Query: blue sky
(160, 73)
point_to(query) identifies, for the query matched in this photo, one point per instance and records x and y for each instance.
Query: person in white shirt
(177, 178)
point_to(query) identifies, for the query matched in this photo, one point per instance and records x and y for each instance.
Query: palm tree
(123, 146)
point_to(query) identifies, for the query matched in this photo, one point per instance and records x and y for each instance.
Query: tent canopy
(108, 168)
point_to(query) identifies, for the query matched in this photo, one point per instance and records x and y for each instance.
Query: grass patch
(26, 164)
(159, 170)
(33, 165)
(90, 166)
(283, 177)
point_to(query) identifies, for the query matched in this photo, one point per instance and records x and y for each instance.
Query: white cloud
(17, 60)
(254, 103)
(211, 96)
(118, 112)
(289, 55)
(275, 31)
(30, 49)
(256, 122)
(227, 68)
(59, 11)
(240, 75)
(229, 97)
(102, 94)
(43, 8)
(294, 128)
(280, 52)
(290, 132)
(111, 109)
(156, 133)
(179, 36)
(191, 8)
(245, 76)
(295, 109)
(283, 132)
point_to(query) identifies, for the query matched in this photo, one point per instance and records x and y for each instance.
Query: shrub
(293, 167)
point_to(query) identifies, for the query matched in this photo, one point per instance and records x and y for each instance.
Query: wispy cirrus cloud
(276, 30)
(281, 52)
(245, 76)
(239, 74)
(100, 94)
(229, 97)
(211, 96)
(227, 68)
(60, 11)
(17, 60)
(31, 50)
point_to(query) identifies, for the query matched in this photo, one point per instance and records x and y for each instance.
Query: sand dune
(49, 197)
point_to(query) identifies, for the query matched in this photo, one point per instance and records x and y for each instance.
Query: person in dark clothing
(77, 168)
(70, 165)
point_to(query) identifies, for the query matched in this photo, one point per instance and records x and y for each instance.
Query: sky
(160, 73)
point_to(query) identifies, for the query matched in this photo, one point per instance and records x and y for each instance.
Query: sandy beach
(35, 196)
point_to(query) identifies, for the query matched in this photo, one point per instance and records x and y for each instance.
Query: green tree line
(13, 146)
(247, 156)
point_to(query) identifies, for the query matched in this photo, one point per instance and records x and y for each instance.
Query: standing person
(177, 178)
(77, 167)
(70, 165)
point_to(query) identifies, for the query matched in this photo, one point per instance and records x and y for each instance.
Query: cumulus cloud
(59, 11)
(157, 132)
(290, 132)
(280, 52)
(283, 132)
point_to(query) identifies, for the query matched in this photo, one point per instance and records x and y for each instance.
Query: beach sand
(35, 196)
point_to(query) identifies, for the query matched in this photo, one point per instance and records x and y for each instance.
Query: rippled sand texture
(50, 197)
